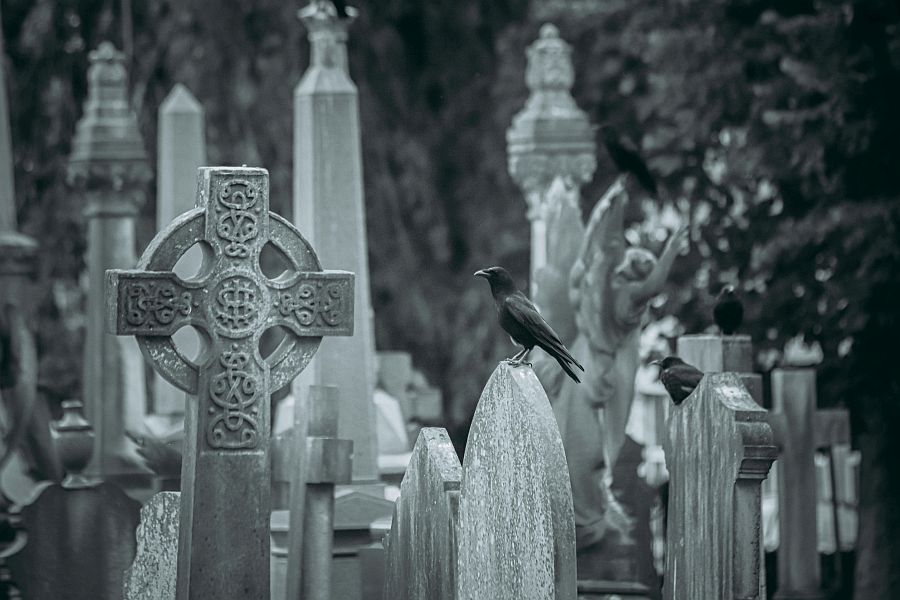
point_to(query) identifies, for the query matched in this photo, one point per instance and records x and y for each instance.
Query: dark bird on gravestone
(521, 320)
(729, 311)
(678, 377)
(625, 155)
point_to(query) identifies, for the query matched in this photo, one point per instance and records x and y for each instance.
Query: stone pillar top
(108, 150)
(180, 101)
(550, 137)
(327, 33)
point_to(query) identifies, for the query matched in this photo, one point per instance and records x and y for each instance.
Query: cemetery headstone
(327, 461)
(719, 449)
(152, 574)
(181, 150)
(108, 165)
(550, 137)
(80, 533)
(225, 507)
(516, 523)
(329, 209)
(422, 553)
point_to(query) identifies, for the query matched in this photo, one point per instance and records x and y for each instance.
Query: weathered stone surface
(152, 574)
(421, 546)
(516, 525)
(718, 451)
(226, 470)
(181, 150)
(329, 209)
(718, 353)
(794, 406)
(108, 165)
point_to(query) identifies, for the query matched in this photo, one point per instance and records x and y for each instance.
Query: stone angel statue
(598, 289)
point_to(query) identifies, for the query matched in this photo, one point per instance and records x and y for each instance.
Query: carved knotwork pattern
(234, 394)
(155, 304)
(316, 303)
(237, 222)
(235, 308)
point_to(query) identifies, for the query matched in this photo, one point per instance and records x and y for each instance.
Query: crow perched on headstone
(627, 159)
(521, 320)
(729, 311)
(678, 377)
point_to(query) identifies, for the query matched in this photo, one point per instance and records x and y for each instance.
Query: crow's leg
(516, 360)
(524, 359)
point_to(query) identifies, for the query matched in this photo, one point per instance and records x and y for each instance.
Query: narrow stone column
(108, 168)
(181, 150)
(551, 137)
(329, 210)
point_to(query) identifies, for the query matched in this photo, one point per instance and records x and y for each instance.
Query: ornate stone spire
(107, 144)
(551, 137)
(327, 33)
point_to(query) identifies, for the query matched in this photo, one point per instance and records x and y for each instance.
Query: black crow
(627, 159)
(521, 320)
(729, 312)
(678, 377)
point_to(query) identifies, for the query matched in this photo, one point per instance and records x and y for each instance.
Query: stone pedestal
(108, 167)
(329, 211)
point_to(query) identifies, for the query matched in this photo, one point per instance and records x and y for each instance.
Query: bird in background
(521, 320)
(627, 158)
(678, 377)
(729, 311)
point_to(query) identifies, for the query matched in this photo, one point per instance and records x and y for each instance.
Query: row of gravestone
(501, 525)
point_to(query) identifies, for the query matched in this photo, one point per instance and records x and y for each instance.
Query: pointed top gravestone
(223, 549)
(516, 522)
(180, 152)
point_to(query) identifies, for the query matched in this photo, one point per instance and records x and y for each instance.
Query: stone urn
(74, 439)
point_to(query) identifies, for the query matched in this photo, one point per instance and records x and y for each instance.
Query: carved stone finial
(74, 439)
(327, 33)
(108, 147)
(549, 62)
(551, 137)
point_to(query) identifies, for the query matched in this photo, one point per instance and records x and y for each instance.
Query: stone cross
(551, 137)
(223, 549)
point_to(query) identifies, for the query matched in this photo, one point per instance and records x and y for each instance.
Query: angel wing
(602, 249)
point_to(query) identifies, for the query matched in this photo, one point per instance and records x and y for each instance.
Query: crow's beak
(656, 362)
(482, 273)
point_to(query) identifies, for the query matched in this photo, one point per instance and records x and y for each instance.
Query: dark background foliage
(773, 125)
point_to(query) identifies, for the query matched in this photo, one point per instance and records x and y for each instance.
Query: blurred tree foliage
(774, 125)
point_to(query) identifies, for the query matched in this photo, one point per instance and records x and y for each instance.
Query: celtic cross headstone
(223, 549)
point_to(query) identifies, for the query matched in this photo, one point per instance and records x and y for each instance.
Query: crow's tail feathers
(567, 367)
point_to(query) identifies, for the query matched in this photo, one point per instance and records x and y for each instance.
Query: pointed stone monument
(108, 167)
(329, 210)
(551, 137)
(180, 152)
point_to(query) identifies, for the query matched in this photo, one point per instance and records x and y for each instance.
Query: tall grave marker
(223, 548)
(329, 208)
(109, 167)
(180, 152)
(550, 138)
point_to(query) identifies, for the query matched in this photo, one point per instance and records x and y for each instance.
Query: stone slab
(152, 574)
(516, 522)
(422, 545)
